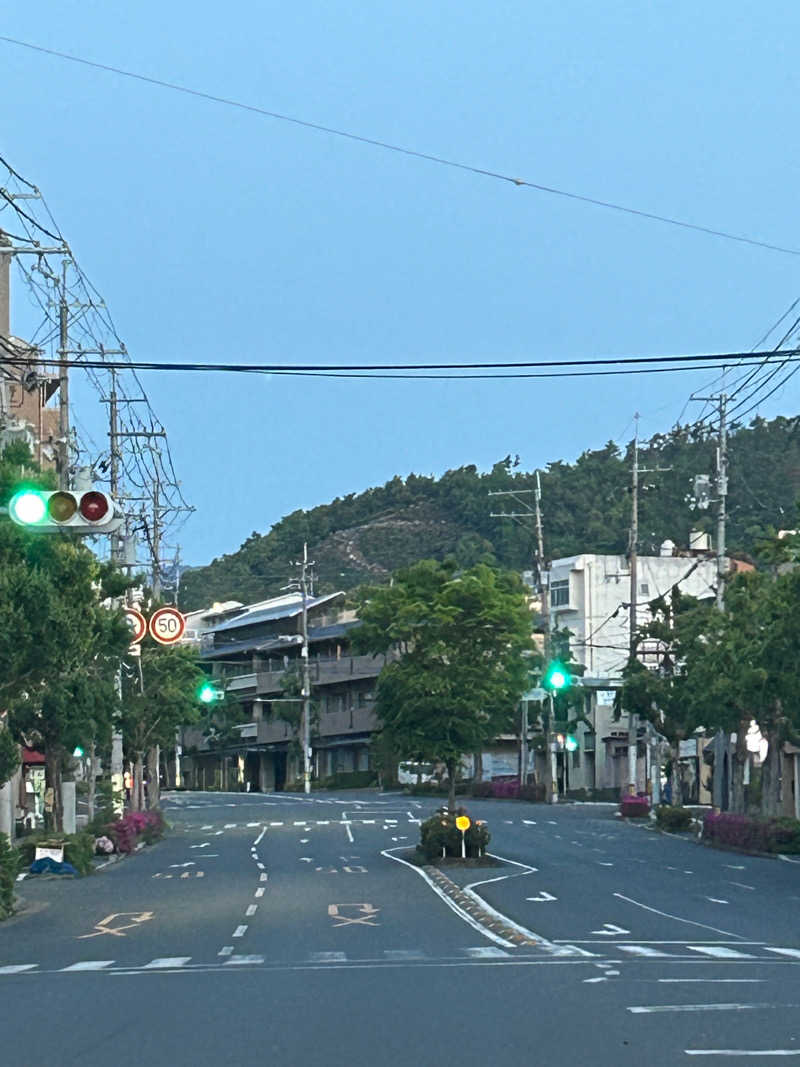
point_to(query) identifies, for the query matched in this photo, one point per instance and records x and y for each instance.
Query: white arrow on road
(543, 896)
(610, 930)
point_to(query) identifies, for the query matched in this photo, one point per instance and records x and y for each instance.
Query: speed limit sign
(167, 626)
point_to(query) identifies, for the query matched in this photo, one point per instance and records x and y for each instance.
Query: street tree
(459, 639)
(159, 695)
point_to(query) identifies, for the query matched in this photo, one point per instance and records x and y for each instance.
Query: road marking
(306, 859)
(368, 822)
(276, 824)
(590, 981)
(793, 952)
(191, 863)
(302, 822)
(328, 957)
(166, 962)
(259, 893)
(720, 952)
(610, 930)
(604, 863)
(260, 836)
(741, 885)
(226, 951)
(641, 950)
(741, 1052)
(263, 877)
(240, 931)
(716, 900)
(237, 961)
(230, 825)
(735, 866)
(358, 869)
(677, 918)
(367, 914)
(89, 965)
(205, 844)
(218, 833)
(252, 824)
(403, 954)
(260, 866)
(346, 823)
(486, 952)
(529, 822)
(323, 822)
(650, 1009)
(716, 981)
(17, 968)
(304, 840)
(251, 910)
(542, 897)
(103, 926)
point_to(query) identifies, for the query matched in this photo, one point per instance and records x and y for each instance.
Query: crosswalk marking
(720, 952)
(793, 952)
(640, 950)
(235, 961)
(89, 965)
(240, 931)
(486, 952)
(166, 962)
(328, 957)
(17, 968)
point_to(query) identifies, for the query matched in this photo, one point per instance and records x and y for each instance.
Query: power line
(390, 147)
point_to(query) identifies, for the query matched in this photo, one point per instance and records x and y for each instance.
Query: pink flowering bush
(637, 807)
(127, 831)
(753, 835)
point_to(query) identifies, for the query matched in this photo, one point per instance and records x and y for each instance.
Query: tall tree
(461, 670)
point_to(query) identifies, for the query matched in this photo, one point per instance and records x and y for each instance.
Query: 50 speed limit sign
(167, 626)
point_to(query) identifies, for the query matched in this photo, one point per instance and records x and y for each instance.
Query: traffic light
(82, 512)
(556, 678)
(207, 693)
(570, 743)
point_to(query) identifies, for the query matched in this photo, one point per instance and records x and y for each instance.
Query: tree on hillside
(461, 670)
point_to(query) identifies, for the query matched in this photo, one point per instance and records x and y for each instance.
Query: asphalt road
(281, 929)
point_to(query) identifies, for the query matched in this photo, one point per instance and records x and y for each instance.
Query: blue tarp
(51, 866)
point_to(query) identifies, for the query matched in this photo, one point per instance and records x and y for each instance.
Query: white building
(590, 596)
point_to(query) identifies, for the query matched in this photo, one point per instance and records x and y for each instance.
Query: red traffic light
(94, 506)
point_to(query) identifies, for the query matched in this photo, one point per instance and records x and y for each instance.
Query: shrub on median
(135, 827)
(673, 818)
(9, 863)
(440, 832)
(752, 834)
(635, 807)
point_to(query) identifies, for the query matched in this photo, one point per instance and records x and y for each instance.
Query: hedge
(440, 832)
(673, 818)
(9, 864)
(752, 834)
(78, 848)
(349, 780)
(637, 807)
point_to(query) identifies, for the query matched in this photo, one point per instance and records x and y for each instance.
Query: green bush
(9, 864)
(440, 832)
(673, 818)
(103, 808)
(78, 848)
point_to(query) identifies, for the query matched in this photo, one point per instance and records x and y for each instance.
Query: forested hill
(586, 508)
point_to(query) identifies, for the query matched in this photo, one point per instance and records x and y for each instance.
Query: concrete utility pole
(63, 383)
(633, 725)
(113, 431)
(722, 493)
(306, 730)
(156, 542)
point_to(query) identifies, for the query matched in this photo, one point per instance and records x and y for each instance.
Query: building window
(644, 589)
(559, 593)
(576, 758)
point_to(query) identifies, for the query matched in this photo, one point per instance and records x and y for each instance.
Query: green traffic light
(571, 743)
(556, 677)
(27, 507)
(206, 694)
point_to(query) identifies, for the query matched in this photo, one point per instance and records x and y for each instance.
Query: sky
(216, 234)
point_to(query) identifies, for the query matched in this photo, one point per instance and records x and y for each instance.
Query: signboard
(167, 626)
(605, 698)
(56, 854)
(535, 694)
(463, 823)
(687, 748)
(137, 623)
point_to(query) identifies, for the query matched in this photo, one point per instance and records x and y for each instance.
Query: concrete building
(590, 596)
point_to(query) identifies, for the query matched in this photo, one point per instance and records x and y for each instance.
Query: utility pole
(534, 513)
(633, 725)
(63, 383)
(113, 430)
(306, 730)
(156, 542)
(722, 493)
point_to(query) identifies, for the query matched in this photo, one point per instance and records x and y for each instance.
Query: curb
(490, 920)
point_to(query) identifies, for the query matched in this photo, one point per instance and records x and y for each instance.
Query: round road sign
(463, 823)
(167, 626)
(137, 623)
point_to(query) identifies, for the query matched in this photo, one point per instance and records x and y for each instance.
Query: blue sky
(214, 234)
